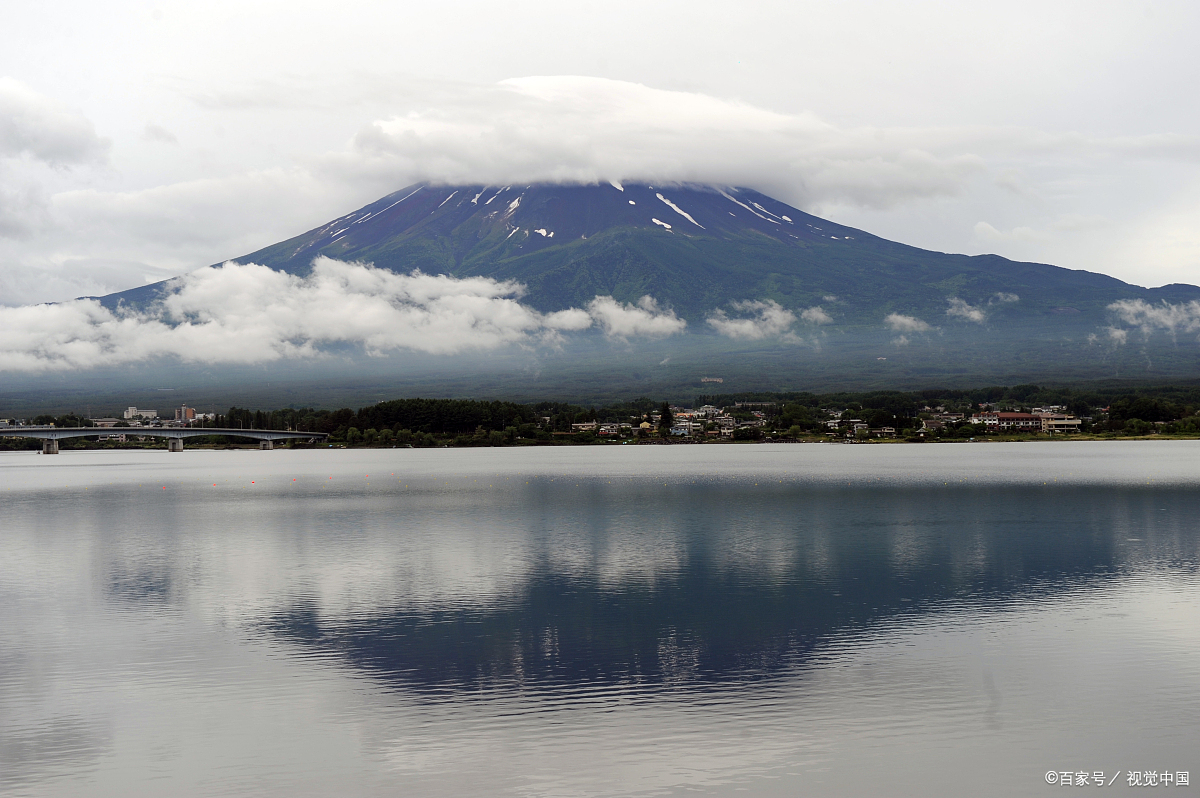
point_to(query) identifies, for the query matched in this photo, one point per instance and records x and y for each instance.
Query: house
(586, 426)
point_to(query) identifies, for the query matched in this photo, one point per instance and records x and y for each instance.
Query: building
(104, 422)
(185, 413)
(755, 405)
(1059, 422)
(133, 412)
(585, 426)
(1000, 419)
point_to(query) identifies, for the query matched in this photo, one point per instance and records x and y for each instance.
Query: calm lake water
(773, 620)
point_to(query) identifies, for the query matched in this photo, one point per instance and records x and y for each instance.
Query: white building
(133, 412)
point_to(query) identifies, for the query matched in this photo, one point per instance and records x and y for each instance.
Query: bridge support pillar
(266, 446)
(174, 444)
(50, 446)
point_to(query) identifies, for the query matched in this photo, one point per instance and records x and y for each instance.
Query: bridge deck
(58, 433)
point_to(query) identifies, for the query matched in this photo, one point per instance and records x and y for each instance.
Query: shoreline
(1073, 438)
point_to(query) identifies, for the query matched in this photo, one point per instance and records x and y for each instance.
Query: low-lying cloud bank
(901, 323)
(1173, 319)
(766, 319)
(248, 314)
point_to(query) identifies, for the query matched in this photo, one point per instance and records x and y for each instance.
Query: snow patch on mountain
(747, 207)
(679, 211)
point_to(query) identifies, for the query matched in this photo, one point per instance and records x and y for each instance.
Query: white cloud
(901, 340)
(247, 313)
(816, 315)
(1003, 297)
(769, 320)
(37, 127)
(901, 323)
(22, 210)
(644, 318)
(962, 310)
(1184, 317)
(591, 130)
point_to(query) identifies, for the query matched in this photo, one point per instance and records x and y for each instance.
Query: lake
(969, 619)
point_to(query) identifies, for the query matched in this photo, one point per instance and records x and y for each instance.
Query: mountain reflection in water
(736, 584)
(828, 620)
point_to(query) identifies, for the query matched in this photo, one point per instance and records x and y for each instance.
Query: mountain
(880, 313)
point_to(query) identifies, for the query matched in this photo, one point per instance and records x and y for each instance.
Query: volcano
(866, 311)
(693, 248)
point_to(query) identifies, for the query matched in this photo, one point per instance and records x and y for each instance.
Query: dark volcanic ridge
(694, 249)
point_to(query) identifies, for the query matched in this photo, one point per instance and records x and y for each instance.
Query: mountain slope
(962, 320)
(693, 248)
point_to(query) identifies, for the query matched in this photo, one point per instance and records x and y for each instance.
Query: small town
(420, 423)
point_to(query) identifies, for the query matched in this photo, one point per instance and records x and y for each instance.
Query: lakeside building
(1059, 422)
(1042, 421)
(1005, 420)
(133, 412)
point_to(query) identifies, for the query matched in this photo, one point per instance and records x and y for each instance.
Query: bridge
(50, 436)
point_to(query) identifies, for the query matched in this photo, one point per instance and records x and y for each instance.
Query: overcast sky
(140, 140)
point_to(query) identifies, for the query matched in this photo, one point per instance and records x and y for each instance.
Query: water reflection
(708, 584)
(450, 623)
